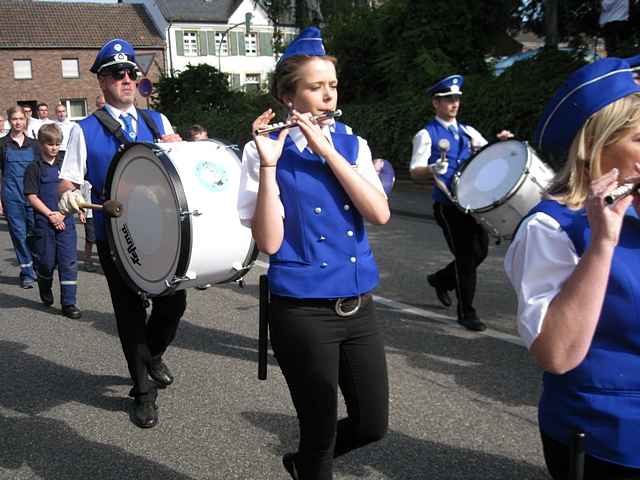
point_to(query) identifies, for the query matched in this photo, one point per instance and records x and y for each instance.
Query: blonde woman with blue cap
(574, 264)
(306, 191)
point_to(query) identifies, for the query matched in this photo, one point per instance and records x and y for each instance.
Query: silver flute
(276, 127)
(621, 192)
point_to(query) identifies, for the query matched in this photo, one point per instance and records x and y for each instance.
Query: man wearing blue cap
(118, 123)
(440, 149)
(574, 265)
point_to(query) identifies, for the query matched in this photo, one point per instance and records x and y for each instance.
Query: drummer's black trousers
(141, 339)
(318, 351)
(469, 243)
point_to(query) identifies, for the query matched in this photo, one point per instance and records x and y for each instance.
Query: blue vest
(15, 164)
(459, 152)
(601, 396)
(325, 252)
(101, 148)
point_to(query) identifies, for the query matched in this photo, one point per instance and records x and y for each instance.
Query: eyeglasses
(120, 73)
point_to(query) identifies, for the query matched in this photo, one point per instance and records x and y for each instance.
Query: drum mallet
(111, 208)
(263, 327)
(576, 457)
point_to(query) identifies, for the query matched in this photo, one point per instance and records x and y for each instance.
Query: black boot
(46, 295)
(159, 372)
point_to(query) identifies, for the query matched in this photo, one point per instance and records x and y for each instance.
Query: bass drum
(500, 184)
(179, 226)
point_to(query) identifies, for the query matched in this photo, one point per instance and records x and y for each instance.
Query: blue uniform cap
(451, 85)
(586, 91)
(115, 52)
(308, 43)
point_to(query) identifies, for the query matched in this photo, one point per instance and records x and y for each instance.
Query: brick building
(47, 48)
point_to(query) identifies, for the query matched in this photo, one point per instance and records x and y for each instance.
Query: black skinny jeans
(317, 352)
(469, 243)
(141, 339)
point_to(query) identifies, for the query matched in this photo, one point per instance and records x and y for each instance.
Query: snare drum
(500, 184)
(179, 226)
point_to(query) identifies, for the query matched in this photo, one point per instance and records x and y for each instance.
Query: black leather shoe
(71, 311)
(441, 293)
(288, 460)
(46, 295)
(160, 373)
(143, 413)
(472, 322)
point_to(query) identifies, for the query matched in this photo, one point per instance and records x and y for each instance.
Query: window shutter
(232, 43)
(265, 45)
(202, 44)
(241, 47)
(211, 42)
(235, 81)
(179, 43)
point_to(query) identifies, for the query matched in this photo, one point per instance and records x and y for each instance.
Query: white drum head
(491, 175)
(148, 237)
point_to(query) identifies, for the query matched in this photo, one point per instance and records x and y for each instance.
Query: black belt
(344, 306)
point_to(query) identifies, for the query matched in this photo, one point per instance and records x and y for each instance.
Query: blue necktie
(128, 125)
(454, 131)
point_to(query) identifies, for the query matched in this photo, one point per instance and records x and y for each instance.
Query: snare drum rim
(184, 254)
(509, 194)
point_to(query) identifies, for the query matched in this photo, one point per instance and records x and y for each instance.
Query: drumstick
(111, 208)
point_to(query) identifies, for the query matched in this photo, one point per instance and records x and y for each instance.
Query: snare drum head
(148, 236)
(491, 175)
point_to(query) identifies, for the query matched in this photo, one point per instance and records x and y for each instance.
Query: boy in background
(55, 233)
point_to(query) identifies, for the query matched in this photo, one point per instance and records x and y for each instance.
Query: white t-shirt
(66, 127)
(250, 173)
(614, 11)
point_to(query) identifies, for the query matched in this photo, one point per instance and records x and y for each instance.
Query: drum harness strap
(114, 127)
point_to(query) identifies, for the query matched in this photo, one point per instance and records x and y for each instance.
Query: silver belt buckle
(341, 313)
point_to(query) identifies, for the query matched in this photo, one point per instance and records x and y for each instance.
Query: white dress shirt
(74, 166)
(66, 127)
(538, 262)
(422, 143)
(250, 173)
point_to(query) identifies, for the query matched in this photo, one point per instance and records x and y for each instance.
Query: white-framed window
(76, 108)
(252, 82)
(221, 44)
(70, 68)
(251, 45)
(190, 42)
(22, 69)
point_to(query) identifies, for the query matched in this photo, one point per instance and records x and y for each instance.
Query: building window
(70, 68)
(190, 42)
(22, 69)
(252, 82)
(76, 107)
(221, 44)
(251, 45)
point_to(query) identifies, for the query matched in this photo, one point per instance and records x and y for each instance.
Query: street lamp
(247, 28)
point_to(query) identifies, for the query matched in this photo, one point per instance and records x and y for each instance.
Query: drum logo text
(131, 246)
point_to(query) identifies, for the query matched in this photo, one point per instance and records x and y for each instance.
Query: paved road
(463, 405)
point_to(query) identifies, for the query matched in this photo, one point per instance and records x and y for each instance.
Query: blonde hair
(287, 74)
(604, 128)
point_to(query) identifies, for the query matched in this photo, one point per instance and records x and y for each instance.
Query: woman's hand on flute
(268, 148)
